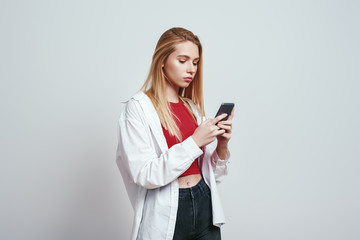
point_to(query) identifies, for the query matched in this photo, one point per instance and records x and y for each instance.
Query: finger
(213, 127)
(231, 114)
(222, 126)
(226, 135)
(227, 122)
(220, 132)
(218, 118)
(228, 131)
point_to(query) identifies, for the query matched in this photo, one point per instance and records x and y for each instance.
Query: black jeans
(194, 215)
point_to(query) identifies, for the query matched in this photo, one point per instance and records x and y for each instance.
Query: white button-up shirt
(150, 169)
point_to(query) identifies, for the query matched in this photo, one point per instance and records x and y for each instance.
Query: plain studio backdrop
(291, 67)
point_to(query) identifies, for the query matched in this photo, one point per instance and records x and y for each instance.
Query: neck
(172, 93)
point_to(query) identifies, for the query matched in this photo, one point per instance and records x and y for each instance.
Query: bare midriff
(189, 180)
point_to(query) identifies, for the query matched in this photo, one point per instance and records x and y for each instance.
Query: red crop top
(187, 126)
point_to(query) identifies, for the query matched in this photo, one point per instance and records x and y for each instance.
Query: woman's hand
(207, 131)
(223, 139)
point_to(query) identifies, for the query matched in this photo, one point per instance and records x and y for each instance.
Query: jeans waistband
(200, 188)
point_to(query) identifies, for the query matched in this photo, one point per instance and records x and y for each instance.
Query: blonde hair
(154, 86)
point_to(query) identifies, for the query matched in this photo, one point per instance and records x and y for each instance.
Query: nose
(191, 68)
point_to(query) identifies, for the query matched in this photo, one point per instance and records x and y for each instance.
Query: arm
(221, 155)
(138, 155)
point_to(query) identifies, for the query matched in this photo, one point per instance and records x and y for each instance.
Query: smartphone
(225, 108)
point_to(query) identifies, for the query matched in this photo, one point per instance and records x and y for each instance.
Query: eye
(182, 61)
(196, 63)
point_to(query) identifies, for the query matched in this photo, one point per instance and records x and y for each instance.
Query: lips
(188, 79)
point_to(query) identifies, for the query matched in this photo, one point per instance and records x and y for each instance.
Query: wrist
(196, 141)
(222, 151)
(222, 145)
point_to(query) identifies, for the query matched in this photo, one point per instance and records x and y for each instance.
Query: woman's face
(181, 65)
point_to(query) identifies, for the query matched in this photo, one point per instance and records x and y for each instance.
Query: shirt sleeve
(142, 160)
(220, 166)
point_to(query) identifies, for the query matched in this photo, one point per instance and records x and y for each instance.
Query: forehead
(186, 48)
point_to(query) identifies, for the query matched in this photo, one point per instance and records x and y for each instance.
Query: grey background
(291, 67)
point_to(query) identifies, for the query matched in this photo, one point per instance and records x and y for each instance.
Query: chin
(185, 85)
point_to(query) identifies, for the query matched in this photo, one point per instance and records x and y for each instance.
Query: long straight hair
(155, 84)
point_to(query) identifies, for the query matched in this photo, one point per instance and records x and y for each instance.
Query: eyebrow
(186, 56)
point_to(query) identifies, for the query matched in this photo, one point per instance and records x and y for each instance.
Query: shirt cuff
(192, 148)
(219, 161)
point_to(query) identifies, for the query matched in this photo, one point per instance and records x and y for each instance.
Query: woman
(169, 156)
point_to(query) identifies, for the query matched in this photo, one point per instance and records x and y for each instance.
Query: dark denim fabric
(194, 215)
